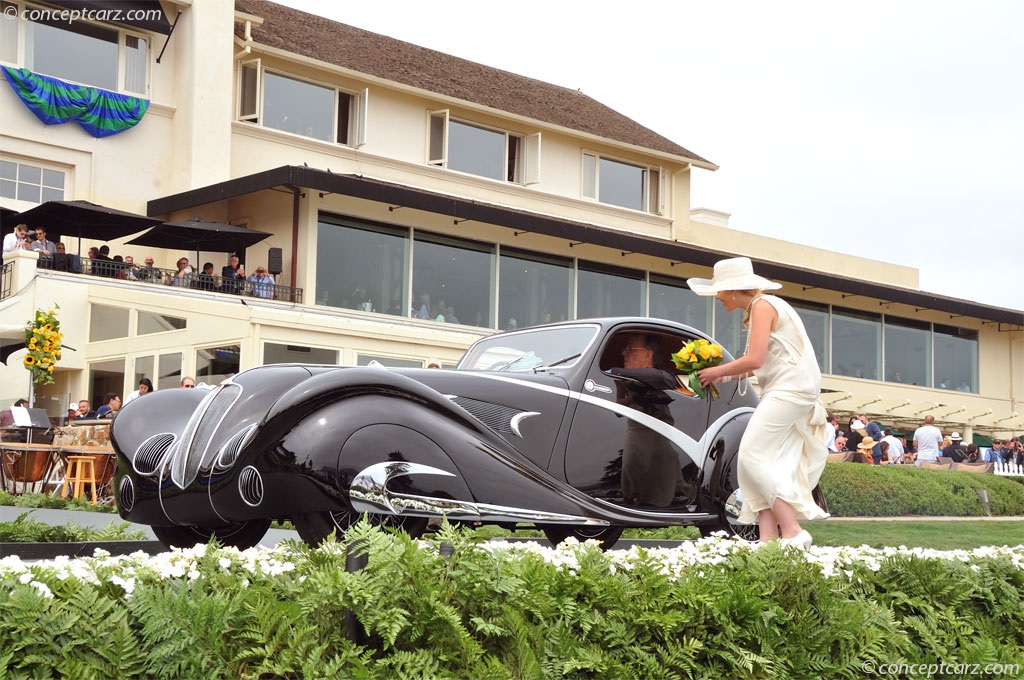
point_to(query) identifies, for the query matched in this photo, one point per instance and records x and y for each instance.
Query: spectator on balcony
(66, 262)
(17, 239)
(182, 277)
(262, 284)
(41, 244)
(148, 273)
(205, 279)
(232, 276)
(103, 264)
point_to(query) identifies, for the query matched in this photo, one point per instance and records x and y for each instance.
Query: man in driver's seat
(651, 473)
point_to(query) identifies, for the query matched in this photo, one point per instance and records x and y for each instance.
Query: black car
(539, 426)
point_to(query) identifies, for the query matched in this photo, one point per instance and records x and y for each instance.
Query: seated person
(111, 405)
(7, 420)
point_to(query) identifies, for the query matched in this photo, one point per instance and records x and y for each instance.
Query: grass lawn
(937, 534)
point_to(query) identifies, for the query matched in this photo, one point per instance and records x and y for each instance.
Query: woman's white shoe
(802, 540)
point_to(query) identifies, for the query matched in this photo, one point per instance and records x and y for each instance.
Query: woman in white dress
(782, 453)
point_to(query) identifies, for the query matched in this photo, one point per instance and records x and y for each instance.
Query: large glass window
(623, 184)
(856, 344)
(294, 105)
(300, 106)
(81, 52)
(361, 266)
(956, 358)
(105, 377)
(908, 351)
(216, 364)
(605, 290)
(274, 353)
(815, 318)
(150, 322)
(169, 371)
(671, 299)
(8, 32)
(390, 362)
(483, 151)
(729, 330)
(26, 182)
(534, 289)
(453, 280)
(107, 323)
(144, 369)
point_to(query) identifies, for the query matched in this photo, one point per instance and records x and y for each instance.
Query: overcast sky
(886, 129)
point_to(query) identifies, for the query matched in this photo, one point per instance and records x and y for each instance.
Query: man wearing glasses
(188, 382)
(262, 284)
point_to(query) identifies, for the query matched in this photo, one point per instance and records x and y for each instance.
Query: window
(908, 355)
(856, 344)
(274, 353)
(362, 266)
(815, 318)
(485, 152)
(105, 377)
(143, 369)
(956, 358)
(107, 323)
(729, 330)
(32, 183)
(672, 299)
(605, 290)
(535, 288)
(453, 280)
(623, 184)
(150, 322)
(169, 371)
(301, 107)
(216, 364)
(390, 362)
(79, 51)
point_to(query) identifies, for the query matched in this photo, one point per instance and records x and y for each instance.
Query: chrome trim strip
(518, 418)
(369, 493)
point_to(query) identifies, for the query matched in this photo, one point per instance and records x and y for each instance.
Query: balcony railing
(169, 277)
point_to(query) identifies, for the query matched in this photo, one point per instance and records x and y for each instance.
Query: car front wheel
(315, 527)
(240, 535)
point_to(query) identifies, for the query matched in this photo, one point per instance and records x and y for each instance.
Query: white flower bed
(257, 563)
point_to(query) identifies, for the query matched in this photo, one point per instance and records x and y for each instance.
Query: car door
(633, 437)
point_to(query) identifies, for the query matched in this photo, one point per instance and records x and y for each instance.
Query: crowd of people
(869, 443)
(54, 255)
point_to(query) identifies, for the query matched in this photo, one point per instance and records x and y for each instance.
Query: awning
(148, 15)
(488, 213)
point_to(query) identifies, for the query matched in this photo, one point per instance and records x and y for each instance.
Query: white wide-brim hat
(736, 273)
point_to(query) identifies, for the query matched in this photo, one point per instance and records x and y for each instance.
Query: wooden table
(26, 463)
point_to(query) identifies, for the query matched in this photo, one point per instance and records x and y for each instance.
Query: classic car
(539, 427)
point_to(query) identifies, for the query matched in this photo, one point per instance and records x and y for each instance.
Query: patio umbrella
(197, 235)
(83, 219)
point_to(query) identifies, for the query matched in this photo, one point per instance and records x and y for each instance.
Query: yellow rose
(705, 352)
(51, 312)
(716, 351)
(50, 368)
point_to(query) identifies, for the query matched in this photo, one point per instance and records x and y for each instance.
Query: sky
(885, 129)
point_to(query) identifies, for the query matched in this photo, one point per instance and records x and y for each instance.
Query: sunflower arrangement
(43, 342)
(693, 356)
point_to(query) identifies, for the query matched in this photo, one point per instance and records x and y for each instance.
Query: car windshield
(529, 349)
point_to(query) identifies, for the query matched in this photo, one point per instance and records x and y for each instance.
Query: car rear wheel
(314, 527)
(556, 533)
(240, 535)
(748, 532)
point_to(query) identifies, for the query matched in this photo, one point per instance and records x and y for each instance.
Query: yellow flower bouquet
(43, 342)
(693, 356)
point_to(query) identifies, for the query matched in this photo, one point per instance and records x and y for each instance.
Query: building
(385, 172)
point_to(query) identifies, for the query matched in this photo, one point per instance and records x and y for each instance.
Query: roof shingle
(378, 55)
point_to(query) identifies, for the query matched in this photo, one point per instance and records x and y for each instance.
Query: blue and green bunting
(101, 112)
